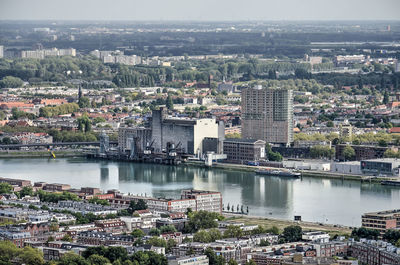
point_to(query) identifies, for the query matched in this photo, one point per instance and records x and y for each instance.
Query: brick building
(362, 152)
(382, 220)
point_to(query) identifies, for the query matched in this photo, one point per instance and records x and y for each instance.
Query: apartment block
(267, 114)
(382, 220)
(205, 200)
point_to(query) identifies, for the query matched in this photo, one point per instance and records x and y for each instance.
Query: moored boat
(391, 182)
(278, 173)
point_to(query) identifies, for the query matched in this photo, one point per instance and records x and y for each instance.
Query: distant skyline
(199, 10)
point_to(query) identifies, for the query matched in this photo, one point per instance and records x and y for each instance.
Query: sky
(199, 10)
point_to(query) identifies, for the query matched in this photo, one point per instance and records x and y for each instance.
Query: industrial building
(244, 150)
(350, 167)
(137, 138)
(384, 166)
(267, 114)
(188, 133)
(169, 138)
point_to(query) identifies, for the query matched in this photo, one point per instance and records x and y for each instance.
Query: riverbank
(304, 173)
(41, 154)
(281, 224)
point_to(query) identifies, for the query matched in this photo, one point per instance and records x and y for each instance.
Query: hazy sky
(200, 9)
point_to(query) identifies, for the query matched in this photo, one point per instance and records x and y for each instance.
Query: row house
(103, 239)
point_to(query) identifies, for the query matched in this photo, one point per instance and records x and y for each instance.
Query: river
(317, 200)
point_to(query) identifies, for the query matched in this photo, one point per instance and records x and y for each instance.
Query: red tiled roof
(394, 130)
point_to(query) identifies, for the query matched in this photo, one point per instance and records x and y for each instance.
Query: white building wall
(204, 128)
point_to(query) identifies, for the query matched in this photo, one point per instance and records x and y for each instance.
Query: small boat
(278, 173)
(390, 182)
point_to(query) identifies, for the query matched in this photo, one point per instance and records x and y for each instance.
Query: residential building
(345, 129)
(41, 54)
(205, 200)
(189, 260)
(16, 182)
(375, 253)
(56, 187)
(316, 236)
(267, 114)
(362, 152)
(382, 220)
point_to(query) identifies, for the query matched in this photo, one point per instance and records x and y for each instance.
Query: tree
(138, 233)
(233, 231)
(167, 229)
(170, 244)
(385, 97)
(157, 242)
(5, 188)
(274, 230)
(98, 260)
(232, 262)
(348, 153)
(71, 258)
(11, 82)
(26, 191)
(367, 233)
(215, 234)
(84, 102)
(67, 238)
(202, 220)
(213, 258)
(292, 233)
(149, 258)
(135, 206)
(154, 232)
(169, 104)
(31, 256)
(330, 124)
(202, 236)
(274, 156)
(264, 243)
(8, 251)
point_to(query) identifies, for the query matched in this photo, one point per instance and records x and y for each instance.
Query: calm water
(318, 200)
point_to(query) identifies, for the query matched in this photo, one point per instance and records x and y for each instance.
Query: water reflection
(315, 199)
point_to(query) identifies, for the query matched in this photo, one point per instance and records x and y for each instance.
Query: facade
(381, 221)
(361, 152)
(350, 167)
(316, 236)
(190, 133)
(56, 187)
(205, 200)
(345, 129)
(243, 150)
(41, 54)
(374, 253)
(137, 137)
(16, 182)
(189, 260)
(385, 166)
(267, 114)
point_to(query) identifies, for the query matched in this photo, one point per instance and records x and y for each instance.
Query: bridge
(14, 146)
